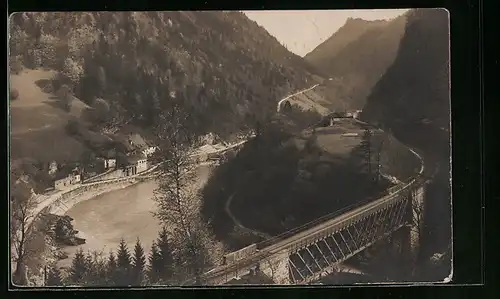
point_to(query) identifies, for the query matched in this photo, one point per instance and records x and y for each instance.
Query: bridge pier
(412, 233)
(277, 268)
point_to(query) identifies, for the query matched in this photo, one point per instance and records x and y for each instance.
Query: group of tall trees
(122, 59)
(120, 268)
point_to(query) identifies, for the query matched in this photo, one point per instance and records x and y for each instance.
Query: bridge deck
(300, 237)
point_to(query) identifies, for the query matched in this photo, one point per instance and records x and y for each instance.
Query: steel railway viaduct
(305, 254)
(316, 249)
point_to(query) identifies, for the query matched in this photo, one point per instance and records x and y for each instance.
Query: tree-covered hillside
(356, 57)
(415, 89)
(413, 100)
(224, 67)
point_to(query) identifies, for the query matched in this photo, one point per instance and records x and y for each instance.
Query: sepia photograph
(229, 148)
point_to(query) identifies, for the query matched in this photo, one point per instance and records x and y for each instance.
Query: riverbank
(125, 212)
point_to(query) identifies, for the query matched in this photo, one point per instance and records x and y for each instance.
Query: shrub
(73, 127)
(14, 94)
(16, 65)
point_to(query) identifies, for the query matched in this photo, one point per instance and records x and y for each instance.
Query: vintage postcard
(217, 148)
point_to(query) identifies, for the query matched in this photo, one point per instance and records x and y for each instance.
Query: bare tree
(22, 214)
(179, 204)
(174, 196)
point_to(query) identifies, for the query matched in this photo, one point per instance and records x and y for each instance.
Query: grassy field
(310, 101)
(37, 120)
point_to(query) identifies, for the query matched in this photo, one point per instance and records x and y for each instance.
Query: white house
(136, 164)
(109, 163)
(67, 182)
(52, 167)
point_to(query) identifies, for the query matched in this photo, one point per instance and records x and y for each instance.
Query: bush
(73, 127)
(14, 94)
(16, 67)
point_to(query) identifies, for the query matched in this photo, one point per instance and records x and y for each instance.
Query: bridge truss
(310, 261)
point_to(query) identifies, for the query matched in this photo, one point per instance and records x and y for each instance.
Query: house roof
(138, 141)
(123, 141)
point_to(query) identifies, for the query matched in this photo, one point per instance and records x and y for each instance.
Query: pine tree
(155, 264)
(165, 252)
(138, 264)
(90, 276)
(54, 277)
(111, 269)
(123, 264)
(97, 269)
(78, 268)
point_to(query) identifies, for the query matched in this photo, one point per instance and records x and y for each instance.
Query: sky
(302, 30)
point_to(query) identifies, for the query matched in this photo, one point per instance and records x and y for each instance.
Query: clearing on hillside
(37, 119)
(309, 100)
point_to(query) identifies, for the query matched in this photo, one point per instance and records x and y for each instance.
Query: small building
(67, 176)
(52, 167)
(356, 113)
(136, 164)
(109, 163)
(66, 182)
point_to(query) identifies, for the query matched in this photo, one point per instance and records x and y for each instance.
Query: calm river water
(127, 213)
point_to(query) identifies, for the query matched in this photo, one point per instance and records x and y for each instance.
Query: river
(127, 213)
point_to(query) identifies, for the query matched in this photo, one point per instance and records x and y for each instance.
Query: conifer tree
(54, 277)
(165, 252)
(111, 268)
(123, 264)
(90, 276)
(97, 269)
(138, 264)
(155, 264)
(78, 268)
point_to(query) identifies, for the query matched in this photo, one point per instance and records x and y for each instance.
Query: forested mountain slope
(222, 66)
(356, 57)
(413, 100)
(415, 89)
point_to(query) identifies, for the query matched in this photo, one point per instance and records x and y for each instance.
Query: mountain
(356, 57)
(412, 99)
(222, 66)
(415, 89)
